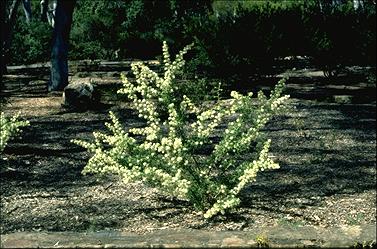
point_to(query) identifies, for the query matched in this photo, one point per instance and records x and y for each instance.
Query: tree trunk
(2, 41)
(51, 12)
(48, 9)
(44, 9)
(13, 11)
(7, 25)
(60, 40)
(27, 10)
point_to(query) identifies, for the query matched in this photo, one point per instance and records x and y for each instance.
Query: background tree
(2, 30)
(233, 39)
(8, 15)
(8, 12)
(44, 10)
(48, 8)
(27, 10)
(60, 43)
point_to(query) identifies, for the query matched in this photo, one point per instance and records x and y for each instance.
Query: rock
(80, 95)
(343, 99)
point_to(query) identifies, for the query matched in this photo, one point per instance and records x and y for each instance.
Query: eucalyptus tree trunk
(60, 41)
(8, 20)
(27, 10)
(2, 30)
(51, 12)
(44, 10)
(48, 9)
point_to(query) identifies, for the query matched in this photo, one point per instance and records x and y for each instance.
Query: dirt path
(327, 153)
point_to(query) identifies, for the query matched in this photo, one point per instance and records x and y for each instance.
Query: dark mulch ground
(327, 153)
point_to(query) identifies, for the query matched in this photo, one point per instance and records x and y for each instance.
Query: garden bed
(326, 150)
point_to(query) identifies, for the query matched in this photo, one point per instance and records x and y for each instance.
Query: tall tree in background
(8, 15)
(27, 10)
(48, 8)
(60, 42)
(2, 30)
(44, 10)
(8, 19)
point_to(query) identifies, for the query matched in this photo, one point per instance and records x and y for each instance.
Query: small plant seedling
(262, 241)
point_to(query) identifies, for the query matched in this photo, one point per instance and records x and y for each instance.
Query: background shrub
(31, 41)
(233, 38)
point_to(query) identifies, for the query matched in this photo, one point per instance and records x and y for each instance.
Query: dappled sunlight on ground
(31, 107)
(326, 150)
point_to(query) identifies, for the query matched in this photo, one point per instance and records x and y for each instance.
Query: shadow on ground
(324, 149)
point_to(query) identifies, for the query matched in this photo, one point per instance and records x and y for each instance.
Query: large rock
(80, 95)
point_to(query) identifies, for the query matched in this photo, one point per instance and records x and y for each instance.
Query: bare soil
(326, 150)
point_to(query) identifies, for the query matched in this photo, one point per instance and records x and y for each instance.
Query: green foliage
(342, 35)
(249, 35)
(175, 151)
(31, 42)
(201, 89)
(262, 241)
(8, 128)
(233, 38)
(124, 29)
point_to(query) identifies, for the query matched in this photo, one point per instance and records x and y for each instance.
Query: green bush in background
(232, 37)
(30, 42)
(130, 29)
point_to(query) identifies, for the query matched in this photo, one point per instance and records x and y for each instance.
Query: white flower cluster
(9, 127)
(246, 128)
(230, 201)
(208, 120)
(250, 169)
(169, 154)
(248, 174)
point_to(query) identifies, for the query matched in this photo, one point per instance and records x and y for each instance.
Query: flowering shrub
(176, 152)
(8, 128)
